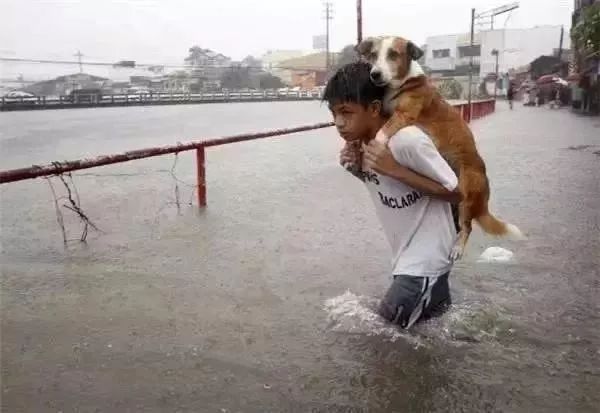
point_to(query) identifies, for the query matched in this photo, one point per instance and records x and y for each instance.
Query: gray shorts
(410, 299)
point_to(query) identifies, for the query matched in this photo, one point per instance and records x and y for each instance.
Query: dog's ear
(365, 47)
(413, 51)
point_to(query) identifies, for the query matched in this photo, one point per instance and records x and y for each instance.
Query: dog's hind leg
(472, 188)
(465, 219)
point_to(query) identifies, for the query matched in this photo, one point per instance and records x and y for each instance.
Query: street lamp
(496, 53)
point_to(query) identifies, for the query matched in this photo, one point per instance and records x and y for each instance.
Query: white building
(447, 54)
(206, 66)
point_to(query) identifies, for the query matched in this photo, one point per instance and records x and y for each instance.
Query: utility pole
(328, 16)
(358, 21)
(470, 92)
(560, 45)
(78, 55)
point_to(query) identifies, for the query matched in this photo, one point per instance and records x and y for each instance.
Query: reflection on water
(264, 301)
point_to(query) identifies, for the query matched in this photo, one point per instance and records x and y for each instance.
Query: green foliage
(236, 77)
(450, 89)
(347, 55)
(268, 81)
(586, 33)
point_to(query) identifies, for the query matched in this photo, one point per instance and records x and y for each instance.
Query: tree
(347, 55)
(268, 81)
(450, 89)
(236, 77)
(252, 62)
(194, 53)
(586, 33)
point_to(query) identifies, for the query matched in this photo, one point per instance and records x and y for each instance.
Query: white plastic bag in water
(496, 254)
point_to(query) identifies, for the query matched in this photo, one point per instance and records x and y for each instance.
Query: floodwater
(262, 301)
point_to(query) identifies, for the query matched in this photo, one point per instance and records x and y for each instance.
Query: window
(441, 53)
(466, 51)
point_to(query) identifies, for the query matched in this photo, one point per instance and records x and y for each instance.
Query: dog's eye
(392, 54)
(372, 56)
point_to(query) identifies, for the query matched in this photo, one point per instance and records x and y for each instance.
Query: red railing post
(201, 176)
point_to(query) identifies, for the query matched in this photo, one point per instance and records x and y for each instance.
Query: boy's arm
(425, 185)
(416, 162)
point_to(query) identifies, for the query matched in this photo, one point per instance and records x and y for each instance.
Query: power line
(169, 66)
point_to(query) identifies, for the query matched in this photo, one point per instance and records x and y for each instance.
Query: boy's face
(356, 122)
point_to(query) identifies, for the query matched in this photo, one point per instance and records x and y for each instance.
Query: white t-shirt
(420, 229)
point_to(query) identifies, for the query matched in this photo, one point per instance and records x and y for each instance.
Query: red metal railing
(479, 109)
(56, 168)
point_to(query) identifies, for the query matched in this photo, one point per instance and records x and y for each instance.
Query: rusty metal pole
(358, 21)
(201, 176)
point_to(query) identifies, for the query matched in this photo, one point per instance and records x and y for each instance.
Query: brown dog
(412, 100)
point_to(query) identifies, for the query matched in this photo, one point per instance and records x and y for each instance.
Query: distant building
(307, 71)
(119, 87)
(272, 59)
(63, 85)
(206, 67)
(449, 55)
(177, 82)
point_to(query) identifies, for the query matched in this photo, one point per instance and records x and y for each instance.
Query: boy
(411, 186)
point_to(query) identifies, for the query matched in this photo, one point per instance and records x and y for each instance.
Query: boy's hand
(349, 155)
(378, 157)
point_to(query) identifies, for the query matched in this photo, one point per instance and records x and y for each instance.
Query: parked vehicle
(19, 94)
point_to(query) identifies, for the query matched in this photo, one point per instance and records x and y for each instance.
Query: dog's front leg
(396, 122)
(406, 113)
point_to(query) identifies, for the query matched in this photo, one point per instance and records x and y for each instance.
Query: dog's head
(391, 58)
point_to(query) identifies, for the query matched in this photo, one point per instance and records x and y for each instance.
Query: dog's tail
(494, 226)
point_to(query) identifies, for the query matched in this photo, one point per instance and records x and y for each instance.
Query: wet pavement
(261, 302)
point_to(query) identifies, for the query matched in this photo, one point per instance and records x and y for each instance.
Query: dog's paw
(380, 137)
(457, 252)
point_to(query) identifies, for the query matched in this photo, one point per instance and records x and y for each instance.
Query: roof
(67, 78)
(75, 75)
(276, 56)
(315, 61)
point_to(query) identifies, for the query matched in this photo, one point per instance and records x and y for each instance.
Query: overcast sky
(161, 31)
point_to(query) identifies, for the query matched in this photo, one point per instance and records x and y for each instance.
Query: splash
(496, 254)
(356, 314)
(473, 322)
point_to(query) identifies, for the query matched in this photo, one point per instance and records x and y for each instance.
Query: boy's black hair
(352, 84)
